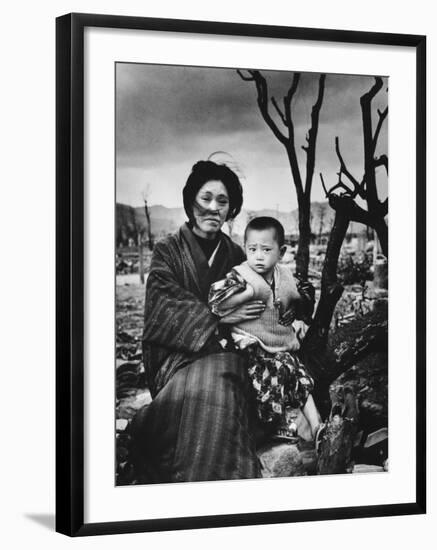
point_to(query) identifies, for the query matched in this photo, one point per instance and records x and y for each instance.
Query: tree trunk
(382, 232)
(303, 248)
(339, 434)
(149, 226)
(331, 289)
(141, 259)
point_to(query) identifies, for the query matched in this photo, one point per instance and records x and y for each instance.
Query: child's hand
(288, 316)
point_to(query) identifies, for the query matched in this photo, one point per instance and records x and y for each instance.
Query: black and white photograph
(251, 286)
(206, 341)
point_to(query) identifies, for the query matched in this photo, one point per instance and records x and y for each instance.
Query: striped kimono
(198, 426)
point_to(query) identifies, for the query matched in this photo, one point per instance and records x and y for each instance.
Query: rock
(143, 398)
(376, 437)
(121, 424)
(338, 437)
(131, 403)
(369, 381)
(281, 460)
(375, 448)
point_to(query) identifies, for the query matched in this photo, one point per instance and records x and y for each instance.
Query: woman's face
(210, 208)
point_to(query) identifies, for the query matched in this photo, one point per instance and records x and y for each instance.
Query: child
(278, 376)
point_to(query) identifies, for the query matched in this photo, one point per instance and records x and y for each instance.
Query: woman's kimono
(198, 426)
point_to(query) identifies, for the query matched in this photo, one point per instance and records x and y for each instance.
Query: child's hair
(266, 222)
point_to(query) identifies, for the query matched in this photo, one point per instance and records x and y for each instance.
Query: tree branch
(291, 148)
(350, 208)
(263, 104)
(368, 96)
(341, 185)
(288, 98)
(261, 86)
(381, 161)
(323, 185)
(278, 110)
(312, 136)
(382, 116)
(358, 188)
(368, 137)
(246, 78)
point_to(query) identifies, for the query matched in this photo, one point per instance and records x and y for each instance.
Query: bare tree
(302, 183)
(148, 221)
(321, 212)
(342, 197)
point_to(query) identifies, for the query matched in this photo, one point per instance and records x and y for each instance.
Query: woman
(198, 425)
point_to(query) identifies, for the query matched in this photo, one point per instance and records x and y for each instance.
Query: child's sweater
(271, 336)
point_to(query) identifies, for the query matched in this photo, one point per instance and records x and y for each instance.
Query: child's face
(262, 250)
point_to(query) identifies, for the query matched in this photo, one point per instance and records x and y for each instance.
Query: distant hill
(166, 220)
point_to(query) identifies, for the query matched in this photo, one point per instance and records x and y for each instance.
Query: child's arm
(302, 308)
(305, 306)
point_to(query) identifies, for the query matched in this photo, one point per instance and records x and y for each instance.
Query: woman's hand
(246, 312)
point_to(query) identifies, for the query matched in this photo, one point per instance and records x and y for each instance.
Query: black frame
(70, 275)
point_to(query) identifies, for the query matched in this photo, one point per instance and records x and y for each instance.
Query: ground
(368, 378)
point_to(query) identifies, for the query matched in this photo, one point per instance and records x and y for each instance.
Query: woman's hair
(206, 170)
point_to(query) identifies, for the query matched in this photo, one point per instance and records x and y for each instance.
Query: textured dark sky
(169, 117)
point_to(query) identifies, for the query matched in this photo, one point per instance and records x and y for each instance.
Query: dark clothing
(207, 245)
(197, 426)
(178, 325)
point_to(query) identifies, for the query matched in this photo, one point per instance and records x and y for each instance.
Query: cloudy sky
(169, 117)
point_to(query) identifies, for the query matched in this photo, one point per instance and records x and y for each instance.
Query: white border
(103, 501)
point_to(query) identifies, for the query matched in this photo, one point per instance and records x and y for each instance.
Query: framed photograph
(236, 345)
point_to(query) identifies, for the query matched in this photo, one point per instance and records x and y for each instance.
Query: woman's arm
(238, 299)
(174, 317)
(246, 312)
(231, 299)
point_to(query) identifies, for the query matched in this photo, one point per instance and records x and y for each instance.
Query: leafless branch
(382, 116)
(348, 192)
(246, 78)
(263, 104)
(312, 136)
(288, 98)
(369, 145)
(382, 161)
(341, 185)
(343, 168)
(278, 110)
(323, 185)
(368, 96)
